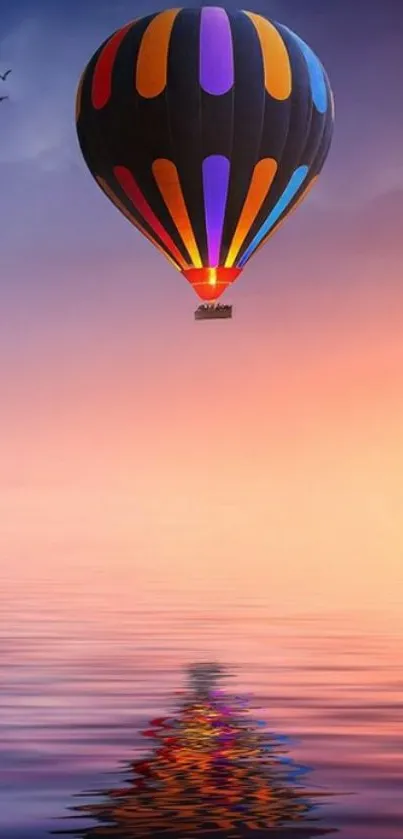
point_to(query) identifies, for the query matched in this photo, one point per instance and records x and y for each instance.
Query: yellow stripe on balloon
(290, 212)
(167, 179)
(276, 61)
(152, 60)
(119, 204)
(262, 179)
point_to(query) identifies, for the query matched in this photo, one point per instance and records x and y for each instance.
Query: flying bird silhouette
(2, 98)
(3, 77)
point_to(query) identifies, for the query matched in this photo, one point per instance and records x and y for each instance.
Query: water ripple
(82, 672)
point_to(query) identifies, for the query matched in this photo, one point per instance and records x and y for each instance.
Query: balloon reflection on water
(213, 770)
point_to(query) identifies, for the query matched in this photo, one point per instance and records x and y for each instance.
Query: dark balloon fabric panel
(205, 128)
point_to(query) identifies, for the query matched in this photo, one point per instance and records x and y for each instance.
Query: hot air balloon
(206, 128)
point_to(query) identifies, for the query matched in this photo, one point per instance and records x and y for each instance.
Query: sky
(267, 451)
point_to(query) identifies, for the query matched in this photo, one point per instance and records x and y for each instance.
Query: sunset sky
(263, 454)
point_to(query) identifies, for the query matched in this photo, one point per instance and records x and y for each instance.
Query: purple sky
(51, 213)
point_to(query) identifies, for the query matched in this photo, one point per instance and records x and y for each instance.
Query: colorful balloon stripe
(215, 184)
(102, 78)
(133, 192)
(276, 61)
(167, 178)
(260, 184)
(216, 52)
(152, 62)
(316, 74)
(290, 191)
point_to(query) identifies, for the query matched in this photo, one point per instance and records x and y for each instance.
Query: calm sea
(86, 663)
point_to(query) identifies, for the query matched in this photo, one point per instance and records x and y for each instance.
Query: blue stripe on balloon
(289, 193)
(316, 74)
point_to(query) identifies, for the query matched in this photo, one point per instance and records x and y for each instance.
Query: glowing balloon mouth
(210, 283)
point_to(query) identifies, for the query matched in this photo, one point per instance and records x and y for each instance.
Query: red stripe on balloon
(102, 78)
(133, 192)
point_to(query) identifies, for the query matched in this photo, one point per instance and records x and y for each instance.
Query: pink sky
(264, 455)
(266, 451)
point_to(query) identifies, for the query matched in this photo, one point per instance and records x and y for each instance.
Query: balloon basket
(213, 311)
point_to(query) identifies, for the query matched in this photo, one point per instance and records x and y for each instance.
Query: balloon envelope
(205, 128)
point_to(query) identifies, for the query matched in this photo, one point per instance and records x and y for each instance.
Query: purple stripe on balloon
(215, 185)
(216, 53)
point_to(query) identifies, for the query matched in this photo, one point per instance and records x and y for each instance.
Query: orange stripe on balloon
(262, 179)
(102, 78)
(134, 193)
(119, 204)
(276, 61)
(152, 60)
(290, 212)
(167, 179)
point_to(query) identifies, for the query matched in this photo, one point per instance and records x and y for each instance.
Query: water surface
(87, 662)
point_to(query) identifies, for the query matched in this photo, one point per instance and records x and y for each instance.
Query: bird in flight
(2, 98)
(4, 76)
